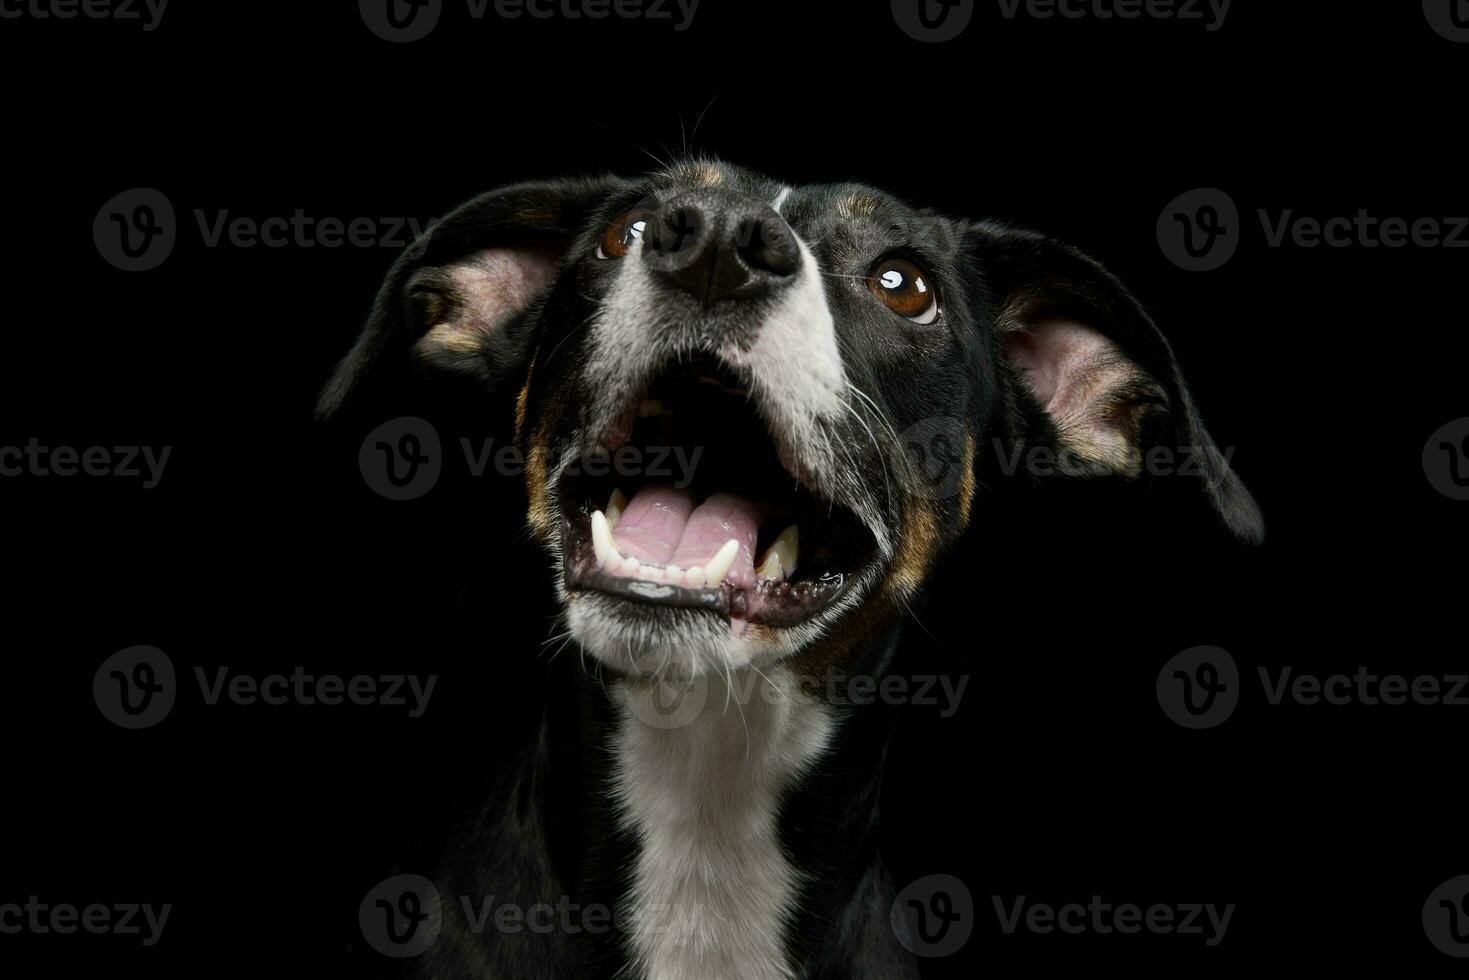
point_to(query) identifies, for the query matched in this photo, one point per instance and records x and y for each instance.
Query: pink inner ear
(1060, 358)
(1082, 380)
(490, 287)
(499, 282)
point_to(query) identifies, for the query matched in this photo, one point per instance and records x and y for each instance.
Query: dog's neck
(747, 810)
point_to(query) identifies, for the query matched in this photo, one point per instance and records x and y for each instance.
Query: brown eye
(905, 289)
(625, 229)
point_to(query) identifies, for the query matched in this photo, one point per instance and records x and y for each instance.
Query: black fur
(549, 830)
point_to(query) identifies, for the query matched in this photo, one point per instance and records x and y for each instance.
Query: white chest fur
(701, 790)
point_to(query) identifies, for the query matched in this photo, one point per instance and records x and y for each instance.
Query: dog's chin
(637, 639)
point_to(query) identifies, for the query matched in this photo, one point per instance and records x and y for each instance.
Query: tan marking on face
(538, 217)
(703, 175)
(542, 521)
(916, 551)
(522, 399)
(858, 206)
(966, 485)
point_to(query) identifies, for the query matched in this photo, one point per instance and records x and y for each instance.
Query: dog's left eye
(625, 229)
(904, 288)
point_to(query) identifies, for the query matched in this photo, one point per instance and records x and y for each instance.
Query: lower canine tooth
(721, 563)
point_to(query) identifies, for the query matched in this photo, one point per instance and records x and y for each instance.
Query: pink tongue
(652, 524)
(661, 526)
(715, 521)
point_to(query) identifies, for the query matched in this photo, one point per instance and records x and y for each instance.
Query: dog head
(732, 394)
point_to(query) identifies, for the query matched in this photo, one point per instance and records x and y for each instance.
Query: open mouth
(695, 505)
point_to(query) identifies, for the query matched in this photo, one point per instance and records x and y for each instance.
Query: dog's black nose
(721, 245)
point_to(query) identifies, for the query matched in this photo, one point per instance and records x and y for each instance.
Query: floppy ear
(1096, 378)
(453, 300)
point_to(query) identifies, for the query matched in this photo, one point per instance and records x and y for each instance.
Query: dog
(792, 337)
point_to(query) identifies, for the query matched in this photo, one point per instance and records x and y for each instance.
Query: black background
(1059, 778)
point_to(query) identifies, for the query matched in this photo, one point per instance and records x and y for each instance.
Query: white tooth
(721, 563)
(615, 506)
(673, 575)
(770, 567)
(651, 573)
(607, 556)
(785, 549)
(694, 577)
(631, 567)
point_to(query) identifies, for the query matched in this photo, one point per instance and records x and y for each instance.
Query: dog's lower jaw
(678, 645)
(675, 644)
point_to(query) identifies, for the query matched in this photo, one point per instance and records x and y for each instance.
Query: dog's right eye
(625, 229)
